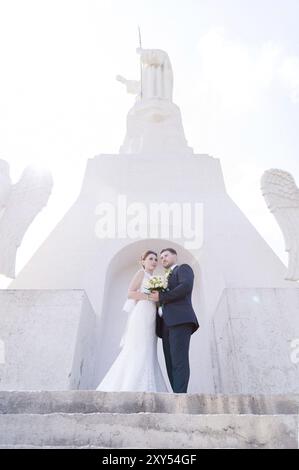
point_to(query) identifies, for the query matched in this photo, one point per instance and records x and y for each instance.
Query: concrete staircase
(91, 419)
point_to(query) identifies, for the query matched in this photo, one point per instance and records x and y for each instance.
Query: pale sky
(236, 81)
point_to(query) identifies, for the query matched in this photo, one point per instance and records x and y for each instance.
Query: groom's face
(168, 259)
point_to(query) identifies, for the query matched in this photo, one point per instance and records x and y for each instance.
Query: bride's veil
(127, 307)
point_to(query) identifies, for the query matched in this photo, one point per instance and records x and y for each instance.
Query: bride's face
(150, 262)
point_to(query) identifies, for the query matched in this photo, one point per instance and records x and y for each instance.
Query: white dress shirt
(160, 310)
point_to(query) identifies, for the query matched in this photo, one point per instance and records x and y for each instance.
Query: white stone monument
(158, 194)
(154, 124)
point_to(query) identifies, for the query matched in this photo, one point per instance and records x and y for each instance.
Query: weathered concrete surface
(47, 338)
(87, 401)
(253, 347)
(92, 419)
(150, 430)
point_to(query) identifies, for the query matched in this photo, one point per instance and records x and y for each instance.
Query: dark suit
(176, 326)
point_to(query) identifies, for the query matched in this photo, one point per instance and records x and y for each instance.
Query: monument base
(256, 341)
(47, 339)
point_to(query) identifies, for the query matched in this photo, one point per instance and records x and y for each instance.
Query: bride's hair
(145, 255)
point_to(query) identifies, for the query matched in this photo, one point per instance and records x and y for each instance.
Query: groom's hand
(154, 296)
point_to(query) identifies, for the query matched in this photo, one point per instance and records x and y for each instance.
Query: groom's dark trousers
(175, 340)
(177, 324)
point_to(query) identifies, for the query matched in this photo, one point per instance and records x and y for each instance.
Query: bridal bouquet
(158, 283)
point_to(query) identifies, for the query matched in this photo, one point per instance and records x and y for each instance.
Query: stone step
(149, 430)
(90, 401)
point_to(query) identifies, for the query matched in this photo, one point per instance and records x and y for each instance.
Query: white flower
(156, 283)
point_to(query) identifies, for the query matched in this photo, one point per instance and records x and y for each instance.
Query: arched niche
(113, 320)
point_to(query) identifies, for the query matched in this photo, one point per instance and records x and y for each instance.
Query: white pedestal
(47, 338)
(253, 334)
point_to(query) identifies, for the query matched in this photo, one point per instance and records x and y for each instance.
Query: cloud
(289, 73)
(234, 75)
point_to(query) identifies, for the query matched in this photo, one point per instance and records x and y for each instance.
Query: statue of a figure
(154, 124)
(156, 76)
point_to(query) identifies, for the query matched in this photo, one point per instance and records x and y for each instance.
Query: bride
(136, 368)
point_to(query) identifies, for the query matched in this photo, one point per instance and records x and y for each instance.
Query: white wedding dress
(136, 368)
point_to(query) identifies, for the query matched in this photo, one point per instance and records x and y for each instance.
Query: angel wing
(282, 198)
(26, 199)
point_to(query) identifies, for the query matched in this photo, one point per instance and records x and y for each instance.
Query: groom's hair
(172, 250)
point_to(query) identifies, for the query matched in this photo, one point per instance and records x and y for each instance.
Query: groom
(176, 319)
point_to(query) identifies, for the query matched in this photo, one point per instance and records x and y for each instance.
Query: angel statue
(19, 205)
(156, 76)
(282, 198)
(154, 123)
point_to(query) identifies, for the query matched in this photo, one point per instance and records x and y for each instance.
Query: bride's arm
(135, 284)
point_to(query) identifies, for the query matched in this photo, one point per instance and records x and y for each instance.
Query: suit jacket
(176, 301)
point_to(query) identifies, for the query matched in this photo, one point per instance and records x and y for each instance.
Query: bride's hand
(143, 296)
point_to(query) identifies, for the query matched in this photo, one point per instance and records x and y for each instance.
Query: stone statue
(282, 198)
(156, 76)
(154, 124)
(19, 205)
